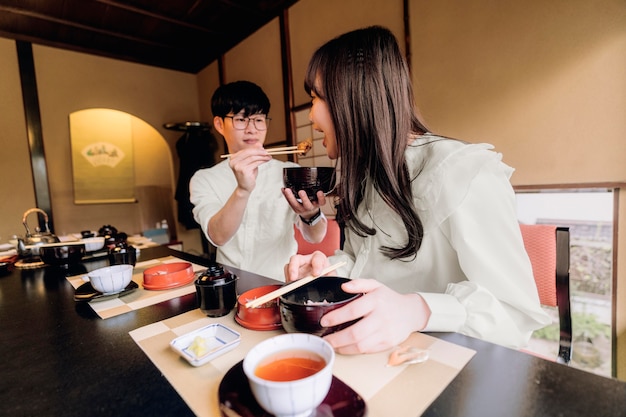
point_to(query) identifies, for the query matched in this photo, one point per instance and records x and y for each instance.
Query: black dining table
(59, 358)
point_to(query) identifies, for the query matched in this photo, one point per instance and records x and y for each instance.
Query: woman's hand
(387, 318)
(300, 266)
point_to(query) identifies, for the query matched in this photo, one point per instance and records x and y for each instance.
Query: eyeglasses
(240, 123)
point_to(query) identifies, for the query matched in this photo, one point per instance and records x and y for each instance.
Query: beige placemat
(388, 391)
(141, 297)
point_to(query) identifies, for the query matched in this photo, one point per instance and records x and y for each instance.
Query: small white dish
(205, 344)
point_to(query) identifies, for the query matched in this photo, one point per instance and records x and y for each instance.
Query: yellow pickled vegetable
(199, 346)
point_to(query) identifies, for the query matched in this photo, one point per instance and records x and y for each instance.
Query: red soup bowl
(264, 317)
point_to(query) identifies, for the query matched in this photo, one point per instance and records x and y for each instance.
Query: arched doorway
(122, 174)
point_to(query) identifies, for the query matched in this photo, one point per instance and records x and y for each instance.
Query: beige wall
(314, 22)
(258, 59)
(546, 86)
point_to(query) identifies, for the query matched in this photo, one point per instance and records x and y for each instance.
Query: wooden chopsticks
(290, 287)
(302, 148)
(273, 152)
(276, 151)
(283, 148)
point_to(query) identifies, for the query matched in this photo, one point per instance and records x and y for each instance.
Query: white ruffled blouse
(472, 268)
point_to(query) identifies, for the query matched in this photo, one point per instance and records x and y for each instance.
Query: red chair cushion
(540, 243)
(328, 245)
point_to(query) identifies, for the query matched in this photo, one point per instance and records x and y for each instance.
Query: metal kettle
(31, 242)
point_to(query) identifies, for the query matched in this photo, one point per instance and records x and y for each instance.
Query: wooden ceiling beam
(158, 16)
(68, 23)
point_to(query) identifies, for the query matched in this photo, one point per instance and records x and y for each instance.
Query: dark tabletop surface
(58, 358)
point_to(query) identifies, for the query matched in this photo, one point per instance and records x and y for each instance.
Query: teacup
(290, 394)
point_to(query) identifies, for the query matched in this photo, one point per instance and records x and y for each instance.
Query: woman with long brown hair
(430, 220)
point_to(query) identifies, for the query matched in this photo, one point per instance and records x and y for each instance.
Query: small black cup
(216, 291)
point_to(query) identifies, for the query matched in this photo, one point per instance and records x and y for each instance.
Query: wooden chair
(330, 243)
(549, 252)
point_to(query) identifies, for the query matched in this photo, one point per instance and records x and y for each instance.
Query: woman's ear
(218, 124)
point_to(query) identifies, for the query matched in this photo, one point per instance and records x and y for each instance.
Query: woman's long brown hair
(364, 79)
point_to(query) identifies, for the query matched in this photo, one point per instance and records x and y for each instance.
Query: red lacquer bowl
(264, 317)
(166, 276)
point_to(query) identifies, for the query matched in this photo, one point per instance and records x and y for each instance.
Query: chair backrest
(549, 252)
(330, 243)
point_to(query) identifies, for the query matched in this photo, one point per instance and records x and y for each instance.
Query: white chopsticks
(290, 287)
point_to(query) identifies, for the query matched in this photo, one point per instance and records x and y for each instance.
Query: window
(316, 157)
(589, 214)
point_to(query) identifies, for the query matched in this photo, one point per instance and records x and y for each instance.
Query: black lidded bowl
(216, 290)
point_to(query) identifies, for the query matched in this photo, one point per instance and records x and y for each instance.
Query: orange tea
(289, 365)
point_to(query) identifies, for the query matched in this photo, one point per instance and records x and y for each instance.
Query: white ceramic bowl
(93, 243)
(111, 279)
(290, 398)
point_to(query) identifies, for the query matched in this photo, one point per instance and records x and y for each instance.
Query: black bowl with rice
(302, 309)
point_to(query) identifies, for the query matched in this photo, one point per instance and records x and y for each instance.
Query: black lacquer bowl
(61, 254)
(309, 179)
(302, 309)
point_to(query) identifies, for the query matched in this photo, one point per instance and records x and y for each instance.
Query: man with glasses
(239, 202)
